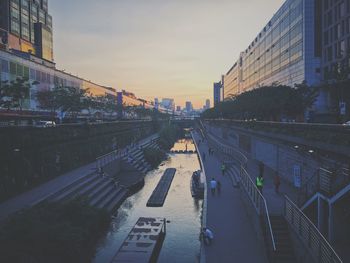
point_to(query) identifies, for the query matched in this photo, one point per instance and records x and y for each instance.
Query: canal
(181, 243)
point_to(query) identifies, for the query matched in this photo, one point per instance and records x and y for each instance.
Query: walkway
(43, 191)
(235, 239)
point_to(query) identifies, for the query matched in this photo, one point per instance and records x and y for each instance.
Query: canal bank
(183, 213)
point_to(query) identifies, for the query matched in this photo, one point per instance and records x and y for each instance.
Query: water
(181, 243)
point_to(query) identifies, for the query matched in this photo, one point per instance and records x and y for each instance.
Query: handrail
(242, 164)
(333, 256)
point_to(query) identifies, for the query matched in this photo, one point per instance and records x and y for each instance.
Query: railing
(317, 245)
(257, 199)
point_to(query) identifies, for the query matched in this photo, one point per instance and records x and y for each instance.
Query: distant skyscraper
(168, 103)
(217, 93)
(189, 107)
(178, 108)
(207, 104)
(26, 26)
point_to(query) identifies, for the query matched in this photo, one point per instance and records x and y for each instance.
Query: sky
(156, 48)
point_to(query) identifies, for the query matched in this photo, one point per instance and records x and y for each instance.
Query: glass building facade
(336, 37)
(286, 51)
(19, 17)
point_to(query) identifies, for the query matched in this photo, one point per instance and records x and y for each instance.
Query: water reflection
(182, 239)
(184, 144)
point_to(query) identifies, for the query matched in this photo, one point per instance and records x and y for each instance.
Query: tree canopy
(266, 103)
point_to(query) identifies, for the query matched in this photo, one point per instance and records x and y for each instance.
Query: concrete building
(287, 51)
(168, 103)
(189, 106)
(26, 26)
(207, 104)
(217, 93)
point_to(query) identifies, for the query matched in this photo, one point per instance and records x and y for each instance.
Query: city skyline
(127, 48)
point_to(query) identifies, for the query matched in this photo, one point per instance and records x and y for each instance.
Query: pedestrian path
(234, 236)
(275, 201)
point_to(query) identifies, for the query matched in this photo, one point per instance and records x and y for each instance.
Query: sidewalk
(275, 201)
(40, 193)
(234, 236)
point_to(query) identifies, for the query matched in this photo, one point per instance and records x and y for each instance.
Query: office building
(26, 26)
(336, 37)
(217, 93)
(168, 103)
(189, 107)
(286, 51)
(207, 104)
(178, 108)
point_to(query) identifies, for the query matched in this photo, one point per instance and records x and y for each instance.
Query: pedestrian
(209, 151)
(277, 182)
(260, 183)
(223, 168)
(218, 186)
(213, 186)
(203, 156)
(208, 236)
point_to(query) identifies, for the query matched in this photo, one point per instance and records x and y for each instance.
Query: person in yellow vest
(260, 183)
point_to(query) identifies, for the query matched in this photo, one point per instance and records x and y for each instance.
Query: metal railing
(257, 199)
(314, 241)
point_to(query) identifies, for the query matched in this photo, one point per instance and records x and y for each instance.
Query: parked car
(45, 124)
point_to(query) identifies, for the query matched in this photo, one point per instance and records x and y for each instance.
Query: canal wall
(31, 156)
(290, 157)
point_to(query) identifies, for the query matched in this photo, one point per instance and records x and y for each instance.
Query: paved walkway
(41, 192)
(235, 239)
(275, 201)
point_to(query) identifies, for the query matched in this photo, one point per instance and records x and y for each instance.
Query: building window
(329, 53)
(4, 66)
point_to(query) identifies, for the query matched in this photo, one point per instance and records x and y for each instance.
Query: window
(329, 53)
(325, 38)
(13, 68)
(4, 66)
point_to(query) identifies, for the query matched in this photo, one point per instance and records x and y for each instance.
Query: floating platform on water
(144, 241)
(184, 151)
(159, 194)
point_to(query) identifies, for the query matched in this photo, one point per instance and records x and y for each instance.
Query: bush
(154, 156)
(53, 232)
(168, 135)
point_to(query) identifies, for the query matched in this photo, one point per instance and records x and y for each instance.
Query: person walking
(213, 185)
(223, 168)
(277, 182)
(208, 236)
(218, 186)
(260, 183)
(209, 151)
(203, 156)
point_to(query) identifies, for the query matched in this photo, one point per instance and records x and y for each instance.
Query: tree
(15, 92)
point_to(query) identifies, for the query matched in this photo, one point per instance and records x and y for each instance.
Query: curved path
(234, 236)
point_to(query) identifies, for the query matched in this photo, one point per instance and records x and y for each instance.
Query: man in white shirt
(208, 236)
(213, 184)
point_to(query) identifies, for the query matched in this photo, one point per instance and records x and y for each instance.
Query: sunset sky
(156, 48)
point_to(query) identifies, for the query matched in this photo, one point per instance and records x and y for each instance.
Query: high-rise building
(189, 107)
(168, 103)
(26, 26)
(336, 37)
(178, 108)
(207, 104)
(217, 92)
(156, 103)
(286, 51)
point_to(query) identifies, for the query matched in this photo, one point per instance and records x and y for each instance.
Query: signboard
(342, 108)
(297, 175)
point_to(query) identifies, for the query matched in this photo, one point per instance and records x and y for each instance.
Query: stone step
(85, 191)
(104, 203)
(117, 200)
(102, 195)
(99, 189)
(72, 190)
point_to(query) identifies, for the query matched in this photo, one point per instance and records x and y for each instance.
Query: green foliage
(53, 232)
(14, 93)
(267, 103)
(154, 156)
(168, 136)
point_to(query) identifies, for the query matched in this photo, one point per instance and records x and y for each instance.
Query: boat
(197, 185)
